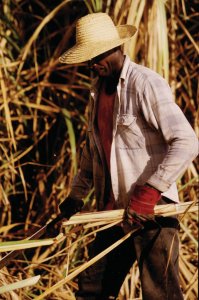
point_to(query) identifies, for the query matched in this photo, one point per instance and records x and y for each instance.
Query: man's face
(104, 65)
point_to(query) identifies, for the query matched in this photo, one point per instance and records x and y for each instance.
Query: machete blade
(11, 255)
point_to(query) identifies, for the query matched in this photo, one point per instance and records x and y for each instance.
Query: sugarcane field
(44, 113)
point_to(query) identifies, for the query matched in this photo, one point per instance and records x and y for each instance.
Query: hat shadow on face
(98, 58)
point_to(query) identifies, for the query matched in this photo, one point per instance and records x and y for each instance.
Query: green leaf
(72, 139)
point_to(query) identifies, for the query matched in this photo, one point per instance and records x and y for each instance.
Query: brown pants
(151, 247)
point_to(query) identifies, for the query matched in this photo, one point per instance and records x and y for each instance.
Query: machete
(50, 224)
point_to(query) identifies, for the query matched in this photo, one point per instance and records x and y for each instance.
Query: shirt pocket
(129, 134)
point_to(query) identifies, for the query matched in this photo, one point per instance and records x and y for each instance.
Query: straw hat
(96, 34)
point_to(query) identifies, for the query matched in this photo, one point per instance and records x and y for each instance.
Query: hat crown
(96, 34)
(97, 27)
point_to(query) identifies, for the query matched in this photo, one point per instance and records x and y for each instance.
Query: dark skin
(108, 67)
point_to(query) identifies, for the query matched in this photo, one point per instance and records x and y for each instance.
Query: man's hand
(141, 205)
(70, 206)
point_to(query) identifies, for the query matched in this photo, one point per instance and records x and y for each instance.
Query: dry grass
(43, 112)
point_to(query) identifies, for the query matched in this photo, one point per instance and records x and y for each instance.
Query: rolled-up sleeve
(161, 112)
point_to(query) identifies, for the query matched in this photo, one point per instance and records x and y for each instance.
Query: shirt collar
(96, 81)
(125, 67)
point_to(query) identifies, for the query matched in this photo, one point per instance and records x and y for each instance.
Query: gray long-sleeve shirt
(152, 140)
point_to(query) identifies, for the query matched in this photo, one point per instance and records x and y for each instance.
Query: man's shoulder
(146, 72)
(143, 76)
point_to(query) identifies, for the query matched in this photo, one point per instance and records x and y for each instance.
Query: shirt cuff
(159, 183)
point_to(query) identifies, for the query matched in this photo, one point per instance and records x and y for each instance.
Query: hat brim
(84, 52)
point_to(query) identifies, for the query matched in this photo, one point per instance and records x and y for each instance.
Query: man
(137, 145)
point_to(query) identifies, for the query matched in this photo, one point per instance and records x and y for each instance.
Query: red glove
(141, 204)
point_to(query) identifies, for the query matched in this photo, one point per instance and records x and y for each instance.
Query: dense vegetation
(43, 120)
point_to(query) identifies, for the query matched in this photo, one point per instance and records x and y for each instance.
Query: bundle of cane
(101, 218)
(105, 219)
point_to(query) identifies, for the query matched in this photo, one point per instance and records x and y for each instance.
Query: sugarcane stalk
(84, 266)
(102, 217)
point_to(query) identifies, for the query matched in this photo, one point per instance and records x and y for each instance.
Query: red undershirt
(105, 127)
